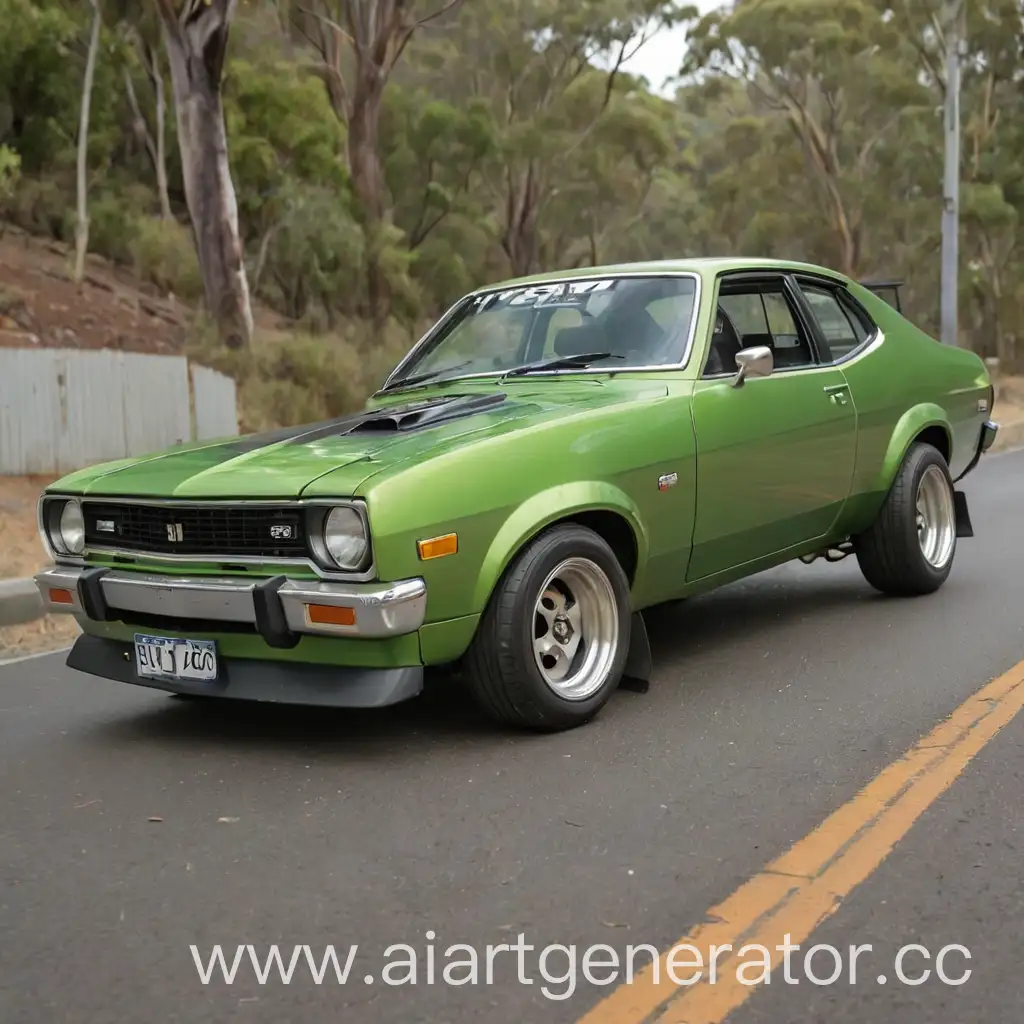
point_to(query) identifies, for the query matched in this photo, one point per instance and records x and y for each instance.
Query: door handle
(837, 393)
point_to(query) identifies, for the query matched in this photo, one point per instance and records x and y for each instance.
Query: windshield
(634, 322)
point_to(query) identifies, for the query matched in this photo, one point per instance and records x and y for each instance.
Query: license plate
(164, 657)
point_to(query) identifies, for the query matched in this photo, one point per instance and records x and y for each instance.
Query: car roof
(697, 265)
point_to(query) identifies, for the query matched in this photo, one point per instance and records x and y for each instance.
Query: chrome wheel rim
(936, 517)
(576, 629)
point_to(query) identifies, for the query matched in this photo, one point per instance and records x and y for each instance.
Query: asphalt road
(774, 702)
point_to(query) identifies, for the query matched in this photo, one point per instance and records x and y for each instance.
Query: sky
(659, 58)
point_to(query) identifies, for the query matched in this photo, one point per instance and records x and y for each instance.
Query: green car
(557, 454)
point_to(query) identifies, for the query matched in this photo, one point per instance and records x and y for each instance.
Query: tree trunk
(522, 208)
(82, 219)
(156, 76)
(195, 49)
(377, 33)
(368, 185)
(155, 147)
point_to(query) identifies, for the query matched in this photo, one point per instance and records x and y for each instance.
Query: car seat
(725, 343)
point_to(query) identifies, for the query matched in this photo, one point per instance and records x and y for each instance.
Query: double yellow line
(798, 890)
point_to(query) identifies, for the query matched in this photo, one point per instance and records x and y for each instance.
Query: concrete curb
(19, 602)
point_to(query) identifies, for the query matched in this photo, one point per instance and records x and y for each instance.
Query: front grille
(253, 531)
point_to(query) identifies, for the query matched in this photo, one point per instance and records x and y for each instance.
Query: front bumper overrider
(279, 609)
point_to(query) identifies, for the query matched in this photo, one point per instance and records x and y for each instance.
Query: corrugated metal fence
(61, 409)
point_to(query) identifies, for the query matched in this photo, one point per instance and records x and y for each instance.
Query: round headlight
(345, 537)
(72, 528)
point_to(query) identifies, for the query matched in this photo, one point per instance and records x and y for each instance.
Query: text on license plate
(163, 657)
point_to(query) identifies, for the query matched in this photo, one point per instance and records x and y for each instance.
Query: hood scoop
(395, 419)
(403, 418)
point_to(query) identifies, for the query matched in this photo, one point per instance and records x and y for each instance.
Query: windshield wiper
(580, 361)
(422, 378)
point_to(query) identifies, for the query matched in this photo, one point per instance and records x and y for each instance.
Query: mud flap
(636, 676)
(963, 515)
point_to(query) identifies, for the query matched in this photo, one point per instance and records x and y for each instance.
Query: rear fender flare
(546, 507)
(909, 426)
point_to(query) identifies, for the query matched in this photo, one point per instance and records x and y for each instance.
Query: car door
(775, 456)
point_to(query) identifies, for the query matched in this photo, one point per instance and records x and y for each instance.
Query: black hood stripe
(251, 442)
(393, 419)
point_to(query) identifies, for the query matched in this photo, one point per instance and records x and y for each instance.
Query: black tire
(889, 552)
(500, 668)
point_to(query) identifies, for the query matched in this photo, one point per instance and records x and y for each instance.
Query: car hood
(389, 432)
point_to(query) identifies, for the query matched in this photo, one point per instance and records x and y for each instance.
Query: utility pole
(954, 29)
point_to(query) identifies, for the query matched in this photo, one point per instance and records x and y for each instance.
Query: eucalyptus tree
(195, 34)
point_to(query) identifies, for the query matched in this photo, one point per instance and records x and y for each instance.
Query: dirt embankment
(40, 306)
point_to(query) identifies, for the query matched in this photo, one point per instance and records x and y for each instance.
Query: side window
(746, 311)
(791, 347)
(757, 315)
(843, 330)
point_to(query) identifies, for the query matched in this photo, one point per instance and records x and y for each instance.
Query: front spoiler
(268, 681)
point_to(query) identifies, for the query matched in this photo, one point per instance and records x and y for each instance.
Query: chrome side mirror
(753, 362)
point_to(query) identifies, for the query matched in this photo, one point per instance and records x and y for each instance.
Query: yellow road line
(807, 883)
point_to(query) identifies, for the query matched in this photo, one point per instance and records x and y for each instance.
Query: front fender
(546, 507)
(909, 426)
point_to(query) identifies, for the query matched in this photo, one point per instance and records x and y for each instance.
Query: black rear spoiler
(887, 290)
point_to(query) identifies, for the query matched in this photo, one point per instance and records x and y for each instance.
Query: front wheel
(909, 548)
(552, 645)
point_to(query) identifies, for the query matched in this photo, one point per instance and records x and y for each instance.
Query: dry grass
(22, 554)
(288, 377)
(1009, 399)
(49, 633)
(21, 550)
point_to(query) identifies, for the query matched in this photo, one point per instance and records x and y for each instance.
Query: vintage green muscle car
(557, 454)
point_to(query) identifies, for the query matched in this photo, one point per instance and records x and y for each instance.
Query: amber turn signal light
(58, 596)
(331, 615)
(438, 547)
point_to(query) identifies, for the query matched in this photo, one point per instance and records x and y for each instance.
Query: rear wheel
(552, 644)
(909, 548)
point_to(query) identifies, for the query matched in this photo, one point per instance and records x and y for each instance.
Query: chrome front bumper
(277, 608)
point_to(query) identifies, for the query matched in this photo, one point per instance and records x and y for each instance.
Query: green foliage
(282, 132)
(301, 378)
(809, 129)
(10, 171)
(38, 90)
(114, 221)
(313, 252)
(163, 253)
(42, 206)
